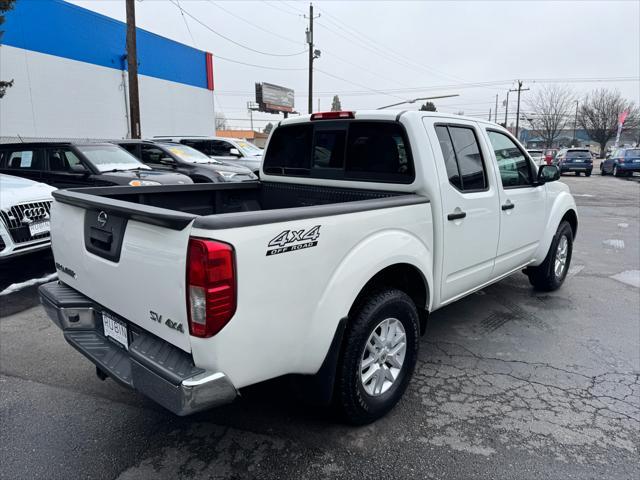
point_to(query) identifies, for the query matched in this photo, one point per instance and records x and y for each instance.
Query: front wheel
(577, 174)
(379, 355)
(588, 173)
(616, 173)
(550, 274)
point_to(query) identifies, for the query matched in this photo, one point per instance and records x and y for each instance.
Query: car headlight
(227, 175)
(143, 183)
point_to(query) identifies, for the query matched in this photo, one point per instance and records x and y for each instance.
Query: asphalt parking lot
(510, 383)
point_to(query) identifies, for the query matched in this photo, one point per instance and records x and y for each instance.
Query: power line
(266, 67)
(230, 39)
(291, 40)
(358, 84)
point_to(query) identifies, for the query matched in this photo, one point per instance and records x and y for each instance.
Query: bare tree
(221, 122)
(599, 112)
(550, 107)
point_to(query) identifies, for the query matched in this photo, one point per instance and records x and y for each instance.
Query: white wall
(58, 97)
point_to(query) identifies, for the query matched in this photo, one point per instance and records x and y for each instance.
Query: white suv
(24, 216)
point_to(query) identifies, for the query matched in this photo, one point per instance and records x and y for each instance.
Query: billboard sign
(274, 98)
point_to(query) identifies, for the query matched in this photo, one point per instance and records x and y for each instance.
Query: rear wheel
(550, 274)
(587, 173)
(379, 355)
(577, 174)
(615, 172)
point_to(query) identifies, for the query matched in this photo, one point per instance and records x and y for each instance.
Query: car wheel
(615, 171)
(379, 355)
(577, 174)
(550, 274)
(588, 173)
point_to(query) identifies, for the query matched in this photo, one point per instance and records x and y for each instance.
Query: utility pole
(506, 110)
(519, 89)
(575, 121)
(313, 54)
(495, 114)
(132, 60)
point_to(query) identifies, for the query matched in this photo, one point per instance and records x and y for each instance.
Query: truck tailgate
(133, 269)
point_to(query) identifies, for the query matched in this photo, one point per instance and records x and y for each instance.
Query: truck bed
(227, 205)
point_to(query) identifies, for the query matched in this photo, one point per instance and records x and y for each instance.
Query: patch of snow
(14, 287)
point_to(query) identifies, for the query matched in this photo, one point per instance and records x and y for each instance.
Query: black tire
(588, 173)
(543, 277)
(602, 171)
(355, 405)
(615, 171)
(577, 174)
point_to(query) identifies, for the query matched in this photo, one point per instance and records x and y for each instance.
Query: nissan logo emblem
(102, 218)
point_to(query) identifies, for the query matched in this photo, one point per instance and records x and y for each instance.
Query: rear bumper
(629, 167)
(151, 366)
(576, 167)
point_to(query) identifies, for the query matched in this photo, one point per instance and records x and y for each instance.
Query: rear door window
(462, 157)
(24, 160)
(347, 150)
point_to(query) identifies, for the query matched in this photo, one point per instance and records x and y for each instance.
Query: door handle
(508, 206)
(456, 216)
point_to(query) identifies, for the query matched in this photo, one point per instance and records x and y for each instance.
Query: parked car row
(29, 172)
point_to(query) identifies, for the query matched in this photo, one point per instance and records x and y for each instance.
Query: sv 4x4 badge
(291, 240)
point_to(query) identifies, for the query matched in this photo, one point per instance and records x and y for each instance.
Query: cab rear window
(371, 151)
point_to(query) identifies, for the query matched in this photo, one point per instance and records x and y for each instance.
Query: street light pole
(414, 100)
(575, 121)
(506, 109)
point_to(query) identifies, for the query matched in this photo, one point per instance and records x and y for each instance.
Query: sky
(377, 53)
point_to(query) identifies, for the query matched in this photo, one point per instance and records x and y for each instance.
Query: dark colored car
(621, 162)
(175, 157)
(68, 165)
(576, 160)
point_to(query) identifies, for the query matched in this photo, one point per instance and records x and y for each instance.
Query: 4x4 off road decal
(291, 240)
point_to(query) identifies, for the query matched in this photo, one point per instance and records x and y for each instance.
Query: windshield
(632, 153)
(110, 157)
(578, 154)
(189, 154)
(249, 148)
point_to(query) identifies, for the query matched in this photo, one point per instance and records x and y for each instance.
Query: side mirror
(235, 152)
(548, 173)
(167, 161)
(78, 168)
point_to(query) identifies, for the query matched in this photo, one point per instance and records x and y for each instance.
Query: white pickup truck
(362, 224)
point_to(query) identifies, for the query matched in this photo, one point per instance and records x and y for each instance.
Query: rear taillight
(211, 286)
(621, 160)
(332, 115)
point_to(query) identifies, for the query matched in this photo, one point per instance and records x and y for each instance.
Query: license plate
(39, 228)
(115, 329)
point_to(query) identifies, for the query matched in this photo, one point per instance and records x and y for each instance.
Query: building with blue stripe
(69, 70)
